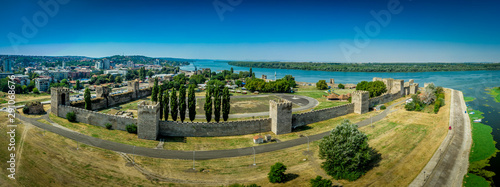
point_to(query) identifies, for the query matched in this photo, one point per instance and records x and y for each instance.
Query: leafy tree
(376, 88)
(346, 152)
(197, 79)
(71, 116)
(78, 85)
(35, 91)
(226, 103)
(118, 79)
(174, 105)
(131, 128)
(251, 73)
(160, 100)
(277, 173)
(341, 86)
(192, 103)
(65, 82)
(321, 85)
(86, 97)
(217, 104)
(166, 105)
(208, 105)
(26, 109)
(239, 83)
(232, 71)
(320, 182)
(182, 103)
(154, 92)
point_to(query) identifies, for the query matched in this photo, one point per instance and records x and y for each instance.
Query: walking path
(200, 155)
(450, 162)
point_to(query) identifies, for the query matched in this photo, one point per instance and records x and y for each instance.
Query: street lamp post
(133, 157)
(254, 156)
(193, 160)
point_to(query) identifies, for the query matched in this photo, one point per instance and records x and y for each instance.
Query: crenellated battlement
(281, 103)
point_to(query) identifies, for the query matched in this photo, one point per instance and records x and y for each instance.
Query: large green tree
(208, 105)
(321, 85)
(166, 105)
(182, 103)
(376, 88)
(217, 104)
(226, 105)
(86, 97)
(192, 103)
(173, 105)
(346, 152)
(277, 173)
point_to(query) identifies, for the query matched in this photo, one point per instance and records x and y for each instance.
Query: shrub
(341, 86)
(383, 107)
(26, 109)
(71, 116)
(410, 106)
(35, 91)
(132, 128)
(277, 173)
(320, 182)
(108, 125)
(346, 152)
(321, 85)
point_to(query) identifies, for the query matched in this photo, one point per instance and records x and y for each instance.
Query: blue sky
(297, 30)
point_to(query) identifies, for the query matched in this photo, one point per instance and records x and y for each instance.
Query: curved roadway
(174, 154)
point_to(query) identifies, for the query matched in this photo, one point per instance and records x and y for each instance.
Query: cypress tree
(160, 100)
(250, 75)
(182, 103)
(88, 102)
(174, 105)
(217, 105)
(192, 103)
(226, 106)
(154, 92)
(165, 107)
(208, 105)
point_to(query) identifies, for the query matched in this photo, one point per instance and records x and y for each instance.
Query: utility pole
(193, 160)
(254, 156)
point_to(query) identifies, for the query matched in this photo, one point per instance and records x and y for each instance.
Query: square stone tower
(280, 113)
(58, 96)
(388, 84)
(102, 91)
(332, 81)
(133, 86)
(148, 120)
(361, 101)
(398, 87)
(413, 88)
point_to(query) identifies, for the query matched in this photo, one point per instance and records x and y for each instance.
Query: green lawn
(320, 96)
(471, 180)
(495, 93)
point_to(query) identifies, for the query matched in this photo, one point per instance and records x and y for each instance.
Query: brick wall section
(321, 115)
(203, 129)
(96, 118)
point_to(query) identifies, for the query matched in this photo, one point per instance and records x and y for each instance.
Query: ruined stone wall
(321, 115)
(203, 129)
(385, 98)
(96, 118)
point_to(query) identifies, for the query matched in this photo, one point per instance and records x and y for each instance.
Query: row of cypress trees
(169, 103)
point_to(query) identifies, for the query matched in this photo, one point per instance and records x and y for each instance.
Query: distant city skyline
(305, 31)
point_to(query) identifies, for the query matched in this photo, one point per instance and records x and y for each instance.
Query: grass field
(47, 159)
(240, 105)
(103, 133)
(313, 92)
(22, 99)
(495, 93)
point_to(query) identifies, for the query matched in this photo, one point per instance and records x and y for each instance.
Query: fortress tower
(280, 113)
(361, 101)
(398, 87)
(58, 96)
(133, 86)
(148, 120)
(102, 91)
(414, 88)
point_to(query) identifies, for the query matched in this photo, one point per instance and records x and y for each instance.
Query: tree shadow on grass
(290, 177)
(375, 159)
(302, 128)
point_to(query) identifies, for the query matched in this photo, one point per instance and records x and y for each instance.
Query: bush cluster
(71, 116)
(132, 128)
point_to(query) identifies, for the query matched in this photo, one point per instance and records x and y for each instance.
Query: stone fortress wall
(280, 121)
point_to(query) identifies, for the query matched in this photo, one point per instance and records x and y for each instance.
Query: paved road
(454, 162)
(172, 154)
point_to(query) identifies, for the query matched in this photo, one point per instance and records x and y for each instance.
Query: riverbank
(482, 150)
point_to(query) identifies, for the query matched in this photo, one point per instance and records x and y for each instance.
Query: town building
(7, 66)
(116, 72)
(58, 75)
(42, 84)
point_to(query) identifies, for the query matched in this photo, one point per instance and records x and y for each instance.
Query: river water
(471, 83)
